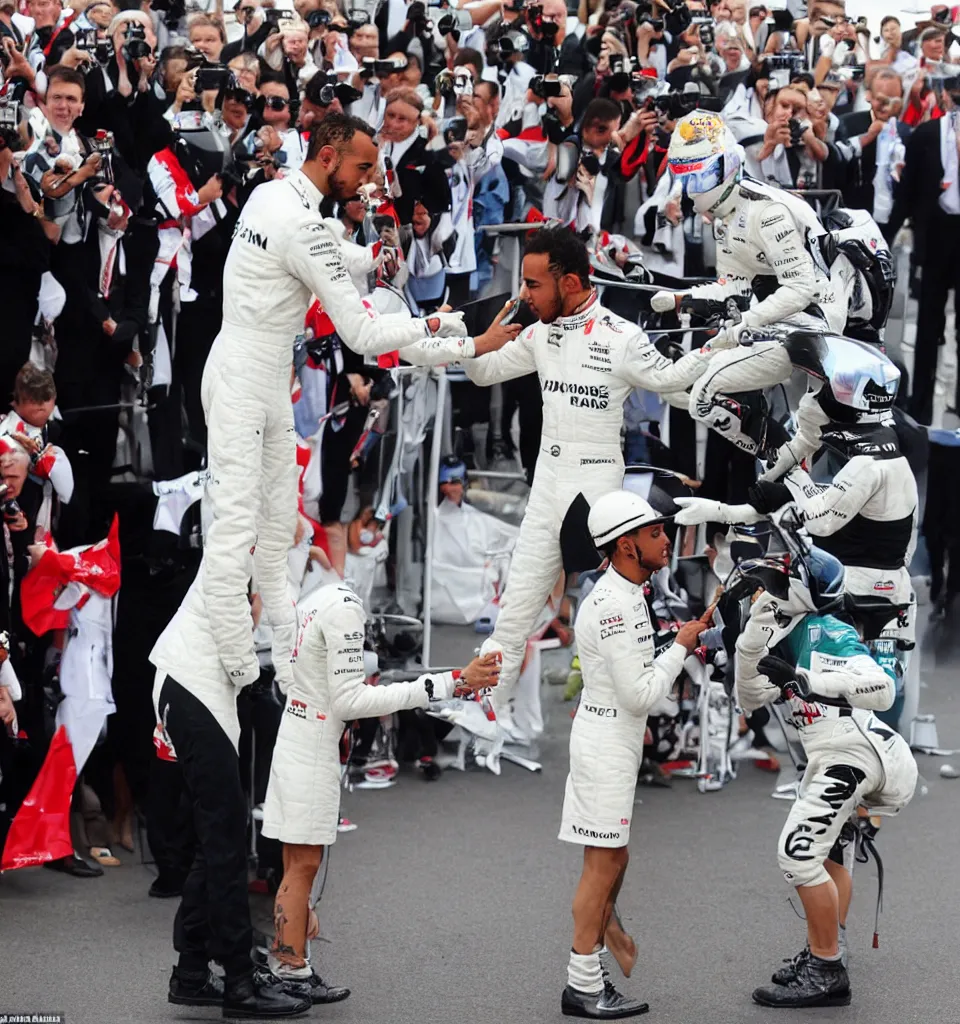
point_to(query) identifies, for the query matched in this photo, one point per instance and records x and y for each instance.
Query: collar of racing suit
(580, 315)
(620, 582)
(309, 194)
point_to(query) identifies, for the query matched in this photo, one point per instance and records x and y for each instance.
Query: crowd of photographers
(131, 138)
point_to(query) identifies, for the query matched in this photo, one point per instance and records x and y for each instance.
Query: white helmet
(706, 157)
(617, 513)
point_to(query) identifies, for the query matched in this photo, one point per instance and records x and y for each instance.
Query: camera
(675, 105)
(543, 88)
(319, 19)
(10, 137)
(212, 77)
(510, 45)
(85, 39)
(454, 129)
(103, 143)
(455, 21)
(621, 69)
(357, 16)
(657, 24)
(135, 45)
(780, 21)
(708, 31)
(272, 16)
(590, 162)
(797, 128)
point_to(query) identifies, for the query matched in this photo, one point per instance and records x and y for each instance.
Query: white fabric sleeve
(779, 240)
(859, 680)
(828, 508)
(314, 256)
(645, 367)
(515, 359)
(9, 680)
(638, 686)
(350, 696)
(753, 688)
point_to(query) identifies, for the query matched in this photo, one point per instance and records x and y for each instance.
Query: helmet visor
(698, 176)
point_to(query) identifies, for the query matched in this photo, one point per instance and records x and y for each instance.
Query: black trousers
(213, 920)
(940, 273)
(170, 831)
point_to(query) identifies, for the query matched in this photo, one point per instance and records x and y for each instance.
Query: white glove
(728, 338)
(451, 325)
(703, 510)
(664, 302)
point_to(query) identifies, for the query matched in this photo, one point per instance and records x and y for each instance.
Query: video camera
(325, 87)
(319, 18)
(543, 87)
(274, 17)
(454, 130)
(784, 66)
(674, 105)
(708, 31)
(10, 137)
(678, 17)
(135, 45)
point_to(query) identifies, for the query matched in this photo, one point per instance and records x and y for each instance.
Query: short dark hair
(472, 57)
(885, 21)
(34, 384)
(492, 89)
(278, 78)
(803, 78)
(600, 110)
(565, 251)
(61, 73)
(336, 130)
(169, 53)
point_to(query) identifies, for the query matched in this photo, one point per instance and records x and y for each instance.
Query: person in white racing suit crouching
(829, 688)
(766, 247)
(589, 361)
(621, 685)
(303, 795)
(866, 516)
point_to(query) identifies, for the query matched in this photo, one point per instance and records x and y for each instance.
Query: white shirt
(950, 197)
(889, 154)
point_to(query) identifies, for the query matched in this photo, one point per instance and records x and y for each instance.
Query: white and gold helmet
(706, 158)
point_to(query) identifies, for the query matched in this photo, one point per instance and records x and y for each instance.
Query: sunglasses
(275, 103)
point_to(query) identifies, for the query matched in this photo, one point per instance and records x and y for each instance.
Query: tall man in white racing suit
(830, 687)
(762, 235)
(282, 252)
(589, 361)
(302, 807)
(621, 685)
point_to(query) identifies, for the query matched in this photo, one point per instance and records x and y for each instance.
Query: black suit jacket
(422, 178)
(918, 194)
(856, 176)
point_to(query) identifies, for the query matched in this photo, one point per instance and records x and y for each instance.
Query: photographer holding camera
(552, 47)
(785, 149)
(581, 190)
(256, 28)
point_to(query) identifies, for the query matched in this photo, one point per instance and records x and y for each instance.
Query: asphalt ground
(451, 902)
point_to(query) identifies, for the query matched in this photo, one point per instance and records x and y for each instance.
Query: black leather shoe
(817, 983)
(315, 989)
(607, 1004)
(787, 973)
(164, 888)
(244, 997)
(75, 865)
(202, 989)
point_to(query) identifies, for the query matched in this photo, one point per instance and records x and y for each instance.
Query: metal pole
(430, 508)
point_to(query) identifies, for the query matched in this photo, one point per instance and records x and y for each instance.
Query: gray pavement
(450, 903)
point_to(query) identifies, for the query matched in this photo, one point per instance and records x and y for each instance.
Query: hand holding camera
(211, 191)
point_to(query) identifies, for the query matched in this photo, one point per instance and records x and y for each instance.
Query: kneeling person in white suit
(621, 685)
(303, 794)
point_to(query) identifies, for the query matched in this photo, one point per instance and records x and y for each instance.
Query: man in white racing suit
(329, 690)
(867, 515)
(622, 684)
(282, 252)
(762, 235)
(829, 686)
(589, 361)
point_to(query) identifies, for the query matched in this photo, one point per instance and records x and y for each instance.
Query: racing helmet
(812, 582)
(619, 513)
(706, 158)
(861, 382)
